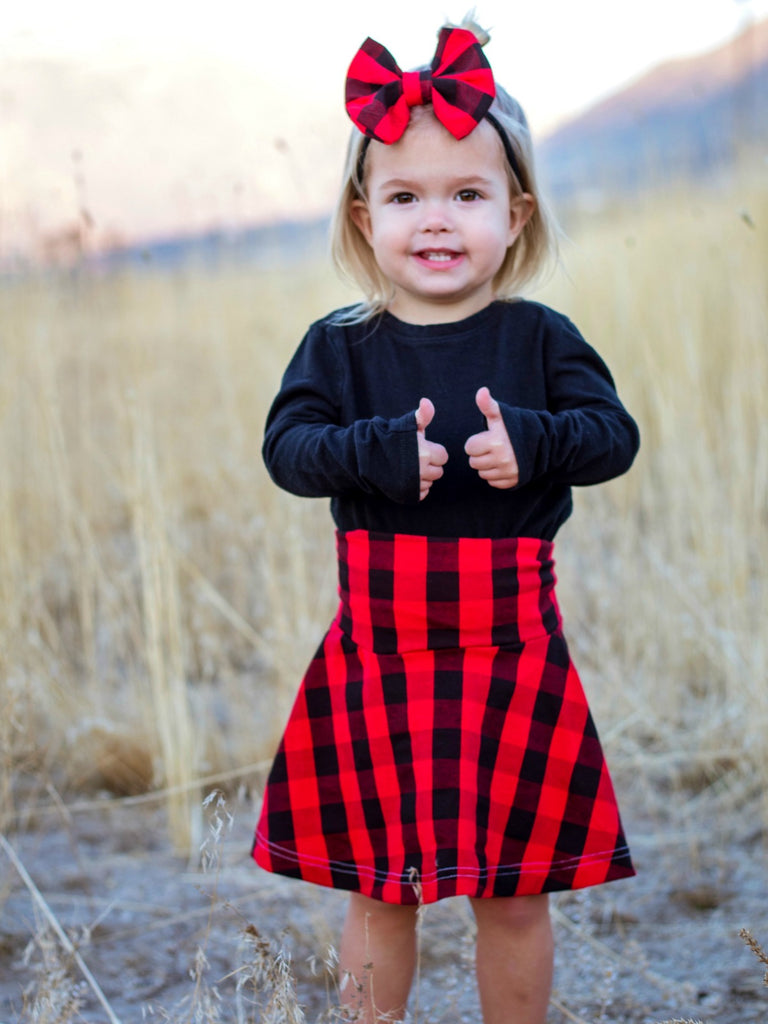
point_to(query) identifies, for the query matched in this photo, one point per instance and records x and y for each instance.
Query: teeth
(439, 257)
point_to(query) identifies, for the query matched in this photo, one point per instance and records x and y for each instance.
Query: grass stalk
(62, 936)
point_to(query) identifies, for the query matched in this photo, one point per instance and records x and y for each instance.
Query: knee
(513, 913)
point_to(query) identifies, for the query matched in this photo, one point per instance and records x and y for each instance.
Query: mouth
(438, 256)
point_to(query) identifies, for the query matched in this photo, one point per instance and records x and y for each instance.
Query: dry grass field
(159, 598)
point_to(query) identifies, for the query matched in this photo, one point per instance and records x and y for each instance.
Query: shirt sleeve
(585, 435)
(314, 448)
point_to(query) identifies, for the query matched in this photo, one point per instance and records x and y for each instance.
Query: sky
(562, 54)
(275, 74)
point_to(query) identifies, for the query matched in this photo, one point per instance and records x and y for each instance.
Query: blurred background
(166, 179)
(166, 176)
(165, 120)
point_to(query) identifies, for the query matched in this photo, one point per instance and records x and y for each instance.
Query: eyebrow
(462, 182)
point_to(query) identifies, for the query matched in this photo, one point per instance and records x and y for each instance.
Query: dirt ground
(664, 946)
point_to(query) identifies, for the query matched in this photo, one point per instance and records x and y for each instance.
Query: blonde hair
(532, 253)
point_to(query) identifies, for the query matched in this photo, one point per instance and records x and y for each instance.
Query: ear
(521, 209)
(361, 218)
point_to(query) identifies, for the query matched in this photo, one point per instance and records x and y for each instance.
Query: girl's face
(439, 218)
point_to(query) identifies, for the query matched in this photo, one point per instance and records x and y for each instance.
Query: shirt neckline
(441, 330)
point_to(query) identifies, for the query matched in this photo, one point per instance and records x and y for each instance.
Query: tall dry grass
(157, 595)
(667, 568)
(159, 598)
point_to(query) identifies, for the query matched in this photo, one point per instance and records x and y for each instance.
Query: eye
(401, 198)
(468, 195)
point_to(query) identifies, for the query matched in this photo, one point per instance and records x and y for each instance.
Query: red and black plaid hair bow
(459, 85)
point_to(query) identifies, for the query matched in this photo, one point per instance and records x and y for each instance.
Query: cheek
(499, 235)
(495, 229)
(386, 234)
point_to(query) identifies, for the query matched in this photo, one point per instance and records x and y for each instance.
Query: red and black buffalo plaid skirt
(441, 743)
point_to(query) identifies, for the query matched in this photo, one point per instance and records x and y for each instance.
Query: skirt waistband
(401, 592)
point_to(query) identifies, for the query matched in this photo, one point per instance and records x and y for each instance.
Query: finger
(495, 472)
(499, 474)
(424, 414)
(431, 453)
(426, 483)
(487, 404)
(430, 472)
(485, 443)
(477, 445)
(484, 462)
(438, 455)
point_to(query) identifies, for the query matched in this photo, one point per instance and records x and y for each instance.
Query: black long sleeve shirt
(343, 423)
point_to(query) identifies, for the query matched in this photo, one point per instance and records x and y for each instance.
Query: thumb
(487, 404)
(424, 414)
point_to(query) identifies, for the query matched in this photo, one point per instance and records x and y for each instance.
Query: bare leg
(377, 959)
(515, 953)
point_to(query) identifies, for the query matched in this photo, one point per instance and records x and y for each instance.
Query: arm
(584, 436)
(313, 448)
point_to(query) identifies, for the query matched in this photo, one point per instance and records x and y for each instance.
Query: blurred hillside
(687, 118)
(98, 154)
(696, 117)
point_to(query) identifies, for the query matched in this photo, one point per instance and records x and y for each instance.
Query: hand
(432, 456)
(490, 452)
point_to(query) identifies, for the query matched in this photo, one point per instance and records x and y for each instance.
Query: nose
(436, 216)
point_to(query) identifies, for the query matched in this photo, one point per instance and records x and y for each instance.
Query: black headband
(507, 147)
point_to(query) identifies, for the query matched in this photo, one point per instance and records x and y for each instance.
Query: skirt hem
(412, 886)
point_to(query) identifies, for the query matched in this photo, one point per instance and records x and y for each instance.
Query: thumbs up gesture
(432, 456)
(490, 452)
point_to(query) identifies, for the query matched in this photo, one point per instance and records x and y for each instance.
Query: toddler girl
(441, 743)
